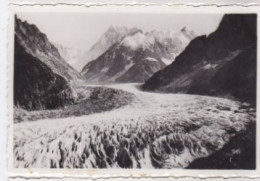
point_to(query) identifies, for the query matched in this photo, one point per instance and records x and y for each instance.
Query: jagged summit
(30, 35)
(221, 64)
(136, 56)
(117, 28)
(112, 35)
(137, 40)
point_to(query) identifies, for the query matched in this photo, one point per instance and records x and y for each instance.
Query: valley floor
(152, 131)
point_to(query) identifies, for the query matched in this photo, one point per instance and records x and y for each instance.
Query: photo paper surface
(121, 90)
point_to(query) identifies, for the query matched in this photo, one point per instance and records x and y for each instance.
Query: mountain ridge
(37, 44)
(42, 79)
(207, 65)
(135, 57)
(111, 36)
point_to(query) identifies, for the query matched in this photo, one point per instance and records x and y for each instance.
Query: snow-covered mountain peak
(162, 33)
(167, 37)
(115, 33)
(137, 40)
(115, 30)
(112, 35)
(136, 51)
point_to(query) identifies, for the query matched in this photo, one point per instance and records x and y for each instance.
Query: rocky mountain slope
(222, 64)
(111, 36)
(36, 86)
(37, 44)
(137, 56)
(42, 79)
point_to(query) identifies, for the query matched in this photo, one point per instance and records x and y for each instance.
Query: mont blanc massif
(136, 99)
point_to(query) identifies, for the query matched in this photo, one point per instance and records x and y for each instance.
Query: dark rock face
(36, 86)
(37, 44)
(222, 64)
(234, 155)
(41, 76)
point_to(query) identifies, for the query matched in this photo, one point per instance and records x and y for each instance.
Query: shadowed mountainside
(36, 86)
(38, 45)
(222, 64)
(44, 81)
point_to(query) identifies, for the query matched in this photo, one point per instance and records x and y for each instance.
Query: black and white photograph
(98, 90)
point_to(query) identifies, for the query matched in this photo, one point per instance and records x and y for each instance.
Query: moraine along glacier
(137, 99)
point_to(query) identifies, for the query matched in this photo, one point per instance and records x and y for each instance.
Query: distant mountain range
(221, 64)
(42, 79)
(130, 55)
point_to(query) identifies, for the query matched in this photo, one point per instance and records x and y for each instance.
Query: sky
(82, 30)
